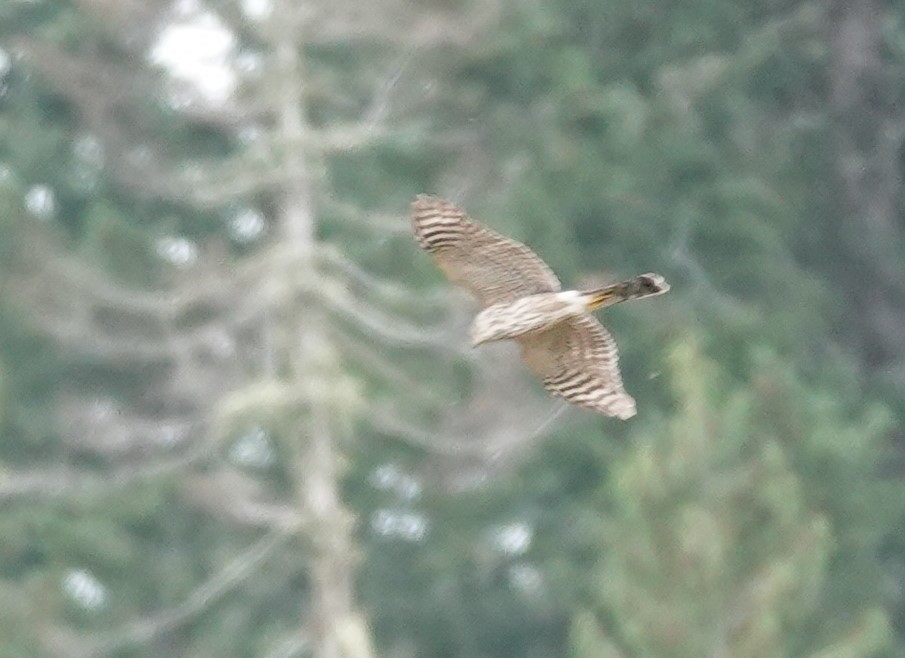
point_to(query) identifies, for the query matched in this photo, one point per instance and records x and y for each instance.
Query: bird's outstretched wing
(577, 360)
(492, 267)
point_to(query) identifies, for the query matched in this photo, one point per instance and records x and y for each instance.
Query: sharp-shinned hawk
(561, 342)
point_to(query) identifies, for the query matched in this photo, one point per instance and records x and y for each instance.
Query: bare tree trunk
(868, 134)
(296, 211)
(205, 333)
(335, 627)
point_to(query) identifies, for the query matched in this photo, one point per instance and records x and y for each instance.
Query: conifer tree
(718, 539)
(219, 376)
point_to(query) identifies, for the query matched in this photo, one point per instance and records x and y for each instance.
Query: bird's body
(525, 315)
(561, 342)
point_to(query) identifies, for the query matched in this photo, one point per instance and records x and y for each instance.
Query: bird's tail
(645, 285)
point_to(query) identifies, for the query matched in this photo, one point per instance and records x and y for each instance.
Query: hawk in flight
(561, 342)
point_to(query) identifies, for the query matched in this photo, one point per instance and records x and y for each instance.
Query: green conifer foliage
(718, 540)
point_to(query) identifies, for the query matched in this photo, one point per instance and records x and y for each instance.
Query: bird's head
(482, 331)
(491, 324)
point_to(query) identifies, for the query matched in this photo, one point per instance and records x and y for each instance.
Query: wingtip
(425, 199)
(626, 409)
(627, 415)
(437, 223)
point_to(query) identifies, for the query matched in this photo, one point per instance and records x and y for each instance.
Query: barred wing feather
(577, 360)
(492, 267)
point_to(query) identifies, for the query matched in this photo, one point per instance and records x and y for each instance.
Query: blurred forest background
(239, 415)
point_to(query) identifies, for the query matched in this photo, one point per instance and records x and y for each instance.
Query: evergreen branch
(66, 299)
(384, 224)
(83, 336)
(377, 109)
(235, 497)
(386, 421)
(270, 398)
(70, 483)
(289, 647)
(339, 138)
(375, 286)
(142, 631)
(388, 371)
(62, 273)
(497, 440)
(680, 254)
(103, 427)
(208, 190)
(404, 29)
(376, 324)
(86, 341)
